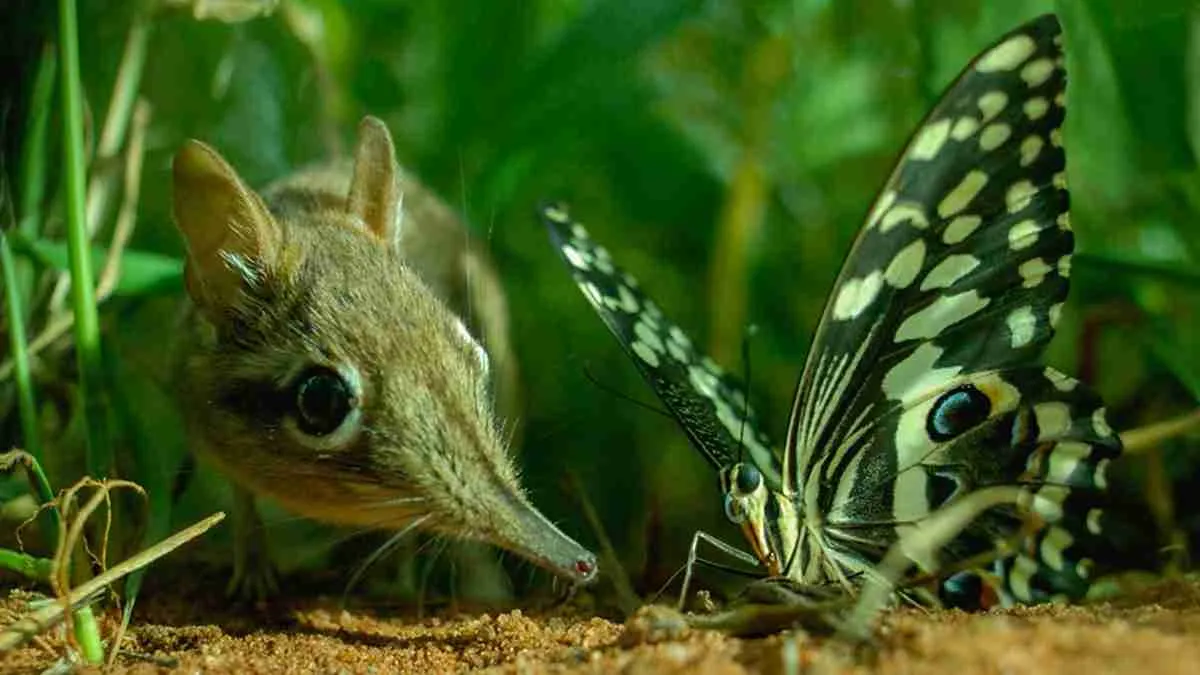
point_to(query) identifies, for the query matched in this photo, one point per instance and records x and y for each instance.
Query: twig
(47, 617)
(85, 633)
(68, 539)
(1144, 438)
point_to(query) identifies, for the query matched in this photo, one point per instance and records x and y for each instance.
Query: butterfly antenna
(613, 391)
(750, 331)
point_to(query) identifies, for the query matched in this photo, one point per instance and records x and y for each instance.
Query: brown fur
(371, 273)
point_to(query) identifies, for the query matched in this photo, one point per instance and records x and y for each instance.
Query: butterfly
(922, 385)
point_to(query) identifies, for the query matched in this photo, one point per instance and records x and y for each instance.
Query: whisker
(354, 533)
(510, 435)
(531, 572)
(398, 501)
(387, 546)
(438, 543)
(466, 231)
(504, 430)
(500, 556)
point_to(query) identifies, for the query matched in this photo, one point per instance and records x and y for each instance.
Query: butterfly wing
(956, 279)
(1031, 427)
(709, 404)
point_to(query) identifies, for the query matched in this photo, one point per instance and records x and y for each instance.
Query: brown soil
(1151, 630)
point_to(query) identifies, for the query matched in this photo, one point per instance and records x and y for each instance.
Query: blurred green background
(725, 152)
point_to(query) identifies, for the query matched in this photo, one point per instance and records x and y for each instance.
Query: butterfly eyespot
(964, 590)
(733, 510)
(747, 479)
(941, 288)
(323, 401)
(956, 412)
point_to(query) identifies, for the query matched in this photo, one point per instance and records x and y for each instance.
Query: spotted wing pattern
(922, 384)
(955, 281)
(709, 404)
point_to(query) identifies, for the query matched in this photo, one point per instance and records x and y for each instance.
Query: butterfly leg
(694, 559)
(766, 606)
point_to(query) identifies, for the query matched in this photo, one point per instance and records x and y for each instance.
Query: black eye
(957, 411)
(323, 400)
(748, 479)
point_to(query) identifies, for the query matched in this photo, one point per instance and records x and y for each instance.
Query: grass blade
(142, 272)
(31, 180)
(28, 566)
(32, 177)
(87, 322)
(42, 619)
(16, 339)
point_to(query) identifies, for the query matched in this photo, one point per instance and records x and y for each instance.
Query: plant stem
(33, 150)
(1151, 436)
(32, 176)
(16, 338)
(37, 569)
(87, 634)
(42, 619)
(87, 323)
(35, 475)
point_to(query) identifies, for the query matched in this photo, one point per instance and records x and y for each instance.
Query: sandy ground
(1155, 629)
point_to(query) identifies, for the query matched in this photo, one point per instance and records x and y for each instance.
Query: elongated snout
(530, 534)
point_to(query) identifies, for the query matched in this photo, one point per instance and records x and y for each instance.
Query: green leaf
(142, 272)
(574, 77)
(1145, 42)
(1100, 169)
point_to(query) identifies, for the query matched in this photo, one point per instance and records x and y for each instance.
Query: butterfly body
(922, 385)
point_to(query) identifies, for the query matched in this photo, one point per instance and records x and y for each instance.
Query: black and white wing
(708, 403)
(921, 383)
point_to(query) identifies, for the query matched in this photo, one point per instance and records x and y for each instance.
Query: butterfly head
(747, 502)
